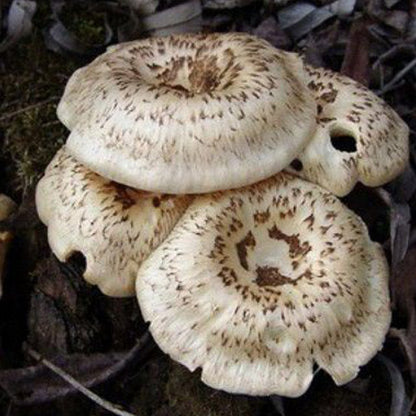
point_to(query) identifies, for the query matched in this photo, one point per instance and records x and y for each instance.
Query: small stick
(392, 52)
(77, 385)
(29, 107)
(389, 86)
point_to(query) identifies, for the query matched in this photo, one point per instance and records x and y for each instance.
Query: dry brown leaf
(356, 60)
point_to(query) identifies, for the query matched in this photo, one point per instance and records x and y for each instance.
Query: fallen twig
(111, 407)
(29, 107)
(35, 385)
(392, 84)
(392, 52)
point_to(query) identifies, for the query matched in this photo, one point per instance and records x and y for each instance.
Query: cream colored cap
(256, 285)
(113, 226)
(189, 113)
(358, 138)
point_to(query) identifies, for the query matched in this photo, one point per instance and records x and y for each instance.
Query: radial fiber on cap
(358, 137)
(256, 285)
(189, 113)
(113, 226)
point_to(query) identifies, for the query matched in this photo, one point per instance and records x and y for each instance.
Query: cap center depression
(192, 73)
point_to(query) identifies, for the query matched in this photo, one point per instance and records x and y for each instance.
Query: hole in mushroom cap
(297, 165)
(77, 263)
(343, 142)
(156, 202)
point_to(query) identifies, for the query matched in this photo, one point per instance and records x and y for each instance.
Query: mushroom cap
(113, 226)
(189, 113)
(358, 137)
(255, 285)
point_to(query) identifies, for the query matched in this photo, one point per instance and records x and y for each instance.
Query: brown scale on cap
(358, 137)
(115, 227)
(255, 285)
(189, 113)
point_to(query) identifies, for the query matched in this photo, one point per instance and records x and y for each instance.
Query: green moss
(85, 23)
(31, 139)
(31, 83)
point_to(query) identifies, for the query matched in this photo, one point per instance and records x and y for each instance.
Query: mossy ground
(31, 83)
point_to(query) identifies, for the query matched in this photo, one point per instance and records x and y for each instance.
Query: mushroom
(189, 113)
(358, 137)
(256, 285)
(7, 206)
(113, 226)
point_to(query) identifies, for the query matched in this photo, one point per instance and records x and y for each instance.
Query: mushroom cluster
(201, 172)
